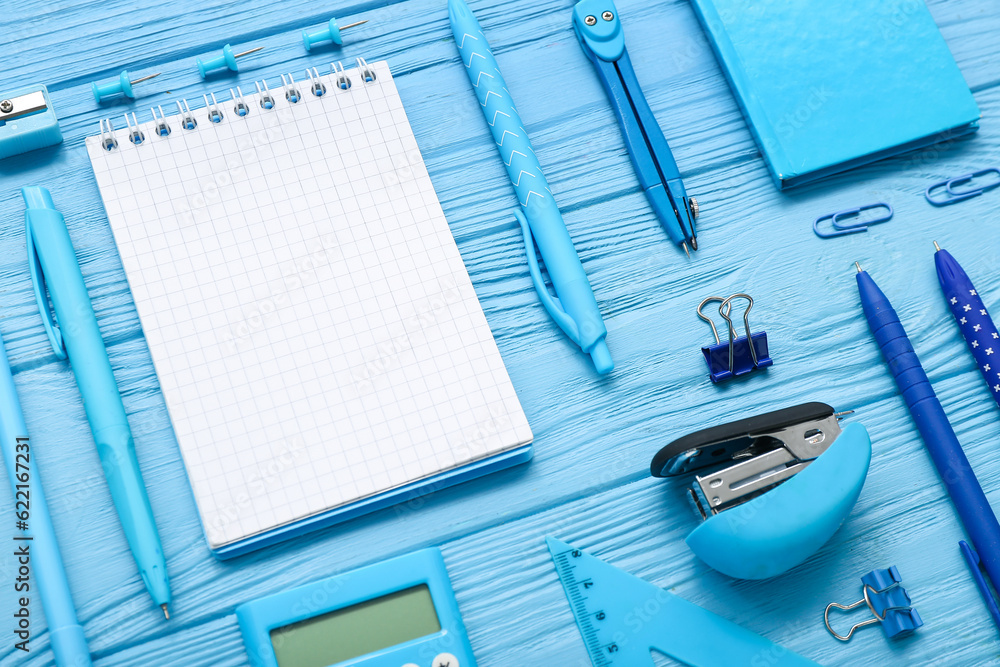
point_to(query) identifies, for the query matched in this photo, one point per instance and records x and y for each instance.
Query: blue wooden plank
(594, 437)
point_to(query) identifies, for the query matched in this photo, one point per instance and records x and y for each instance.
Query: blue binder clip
(888, 602)
(740, 354)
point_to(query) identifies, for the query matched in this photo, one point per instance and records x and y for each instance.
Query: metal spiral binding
(241, 108)
(266, 99)
(134, 134)
(108, 140)
(315, 84)
(162, 127)
(214, 112)
(291, 92)
(366, 72)
(187, 119)
(337, 70)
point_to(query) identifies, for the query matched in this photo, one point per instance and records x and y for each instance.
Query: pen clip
(551, 303)
(972, 559)
(41, 295)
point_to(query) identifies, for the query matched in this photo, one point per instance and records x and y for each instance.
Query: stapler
(770, 489)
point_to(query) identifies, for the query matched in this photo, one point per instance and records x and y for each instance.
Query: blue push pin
(331, 33)
(121, 86)
(227, 59)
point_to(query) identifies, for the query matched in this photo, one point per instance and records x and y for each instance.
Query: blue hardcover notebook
(829, 85)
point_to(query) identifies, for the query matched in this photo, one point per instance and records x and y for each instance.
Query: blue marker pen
(574, 307)
(52, 262)
(69, 645)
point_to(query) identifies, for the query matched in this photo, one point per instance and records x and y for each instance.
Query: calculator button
(445, 660)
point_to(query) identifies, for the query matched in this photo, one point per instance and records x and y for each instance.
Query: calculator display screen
(369, 626)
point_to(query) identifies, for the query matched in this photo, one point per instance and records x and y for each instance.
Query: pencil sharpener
(27, 121)
(770, 489)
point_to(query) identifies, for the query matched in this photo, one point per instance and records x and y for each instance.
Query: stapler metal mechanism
(771, 489)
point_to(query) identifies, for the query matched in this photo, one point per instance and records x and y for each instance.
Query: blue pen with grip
(574, 307)
(69, 645)
(939, 437)
(53, 265)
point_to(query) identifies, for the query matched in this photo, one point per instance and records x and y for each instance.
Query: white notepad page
(313, 327)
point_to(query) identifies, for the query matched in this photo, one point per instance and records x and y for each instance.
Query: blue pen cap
(601, 356)
(37, 197)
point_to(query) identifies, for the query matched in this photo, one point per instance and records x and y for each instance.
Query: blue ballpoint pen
(574, 307)
(972, 317)
(69, 645)
(52, 262)
(938, 435)
(599, 30)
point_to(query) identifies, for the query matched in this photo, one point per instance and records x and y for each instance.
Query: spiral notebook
(320, 346)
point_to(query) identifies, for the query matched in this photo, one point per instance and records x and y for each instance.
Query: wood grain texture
(588, 483)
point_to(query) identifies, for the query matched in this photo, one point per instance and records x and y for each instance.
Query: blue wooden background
(589, 482)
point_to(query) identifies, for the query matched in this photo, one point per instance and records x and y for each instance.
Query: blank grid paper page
(311, 321)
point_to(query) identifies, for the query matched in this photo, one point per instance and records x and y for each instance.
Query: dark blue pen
(973, 319)
(939, 437)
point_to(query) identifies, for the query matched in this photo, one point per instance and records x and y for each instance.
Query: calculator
(398, 613)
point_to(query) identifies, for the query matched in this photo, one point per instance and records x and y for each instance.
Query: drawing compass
(600, 33)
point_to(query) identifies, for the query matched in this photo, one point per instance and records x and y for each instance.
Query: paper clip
(855, 227)
(888, 602)
(952, 196)
(741, 354)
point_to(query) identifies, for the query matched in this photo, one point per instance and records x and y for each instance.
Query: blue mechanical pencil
(939, 437)
(574, 307)
(53, 263)
(69, 645)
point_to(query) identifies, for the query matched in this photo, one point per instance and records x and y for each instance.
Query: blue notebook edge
(411, 491)
(899, 149)
(770, 148)
(725, 52)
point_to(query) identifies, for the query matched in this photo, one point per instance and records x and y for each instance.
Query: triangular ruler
(623, 617)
